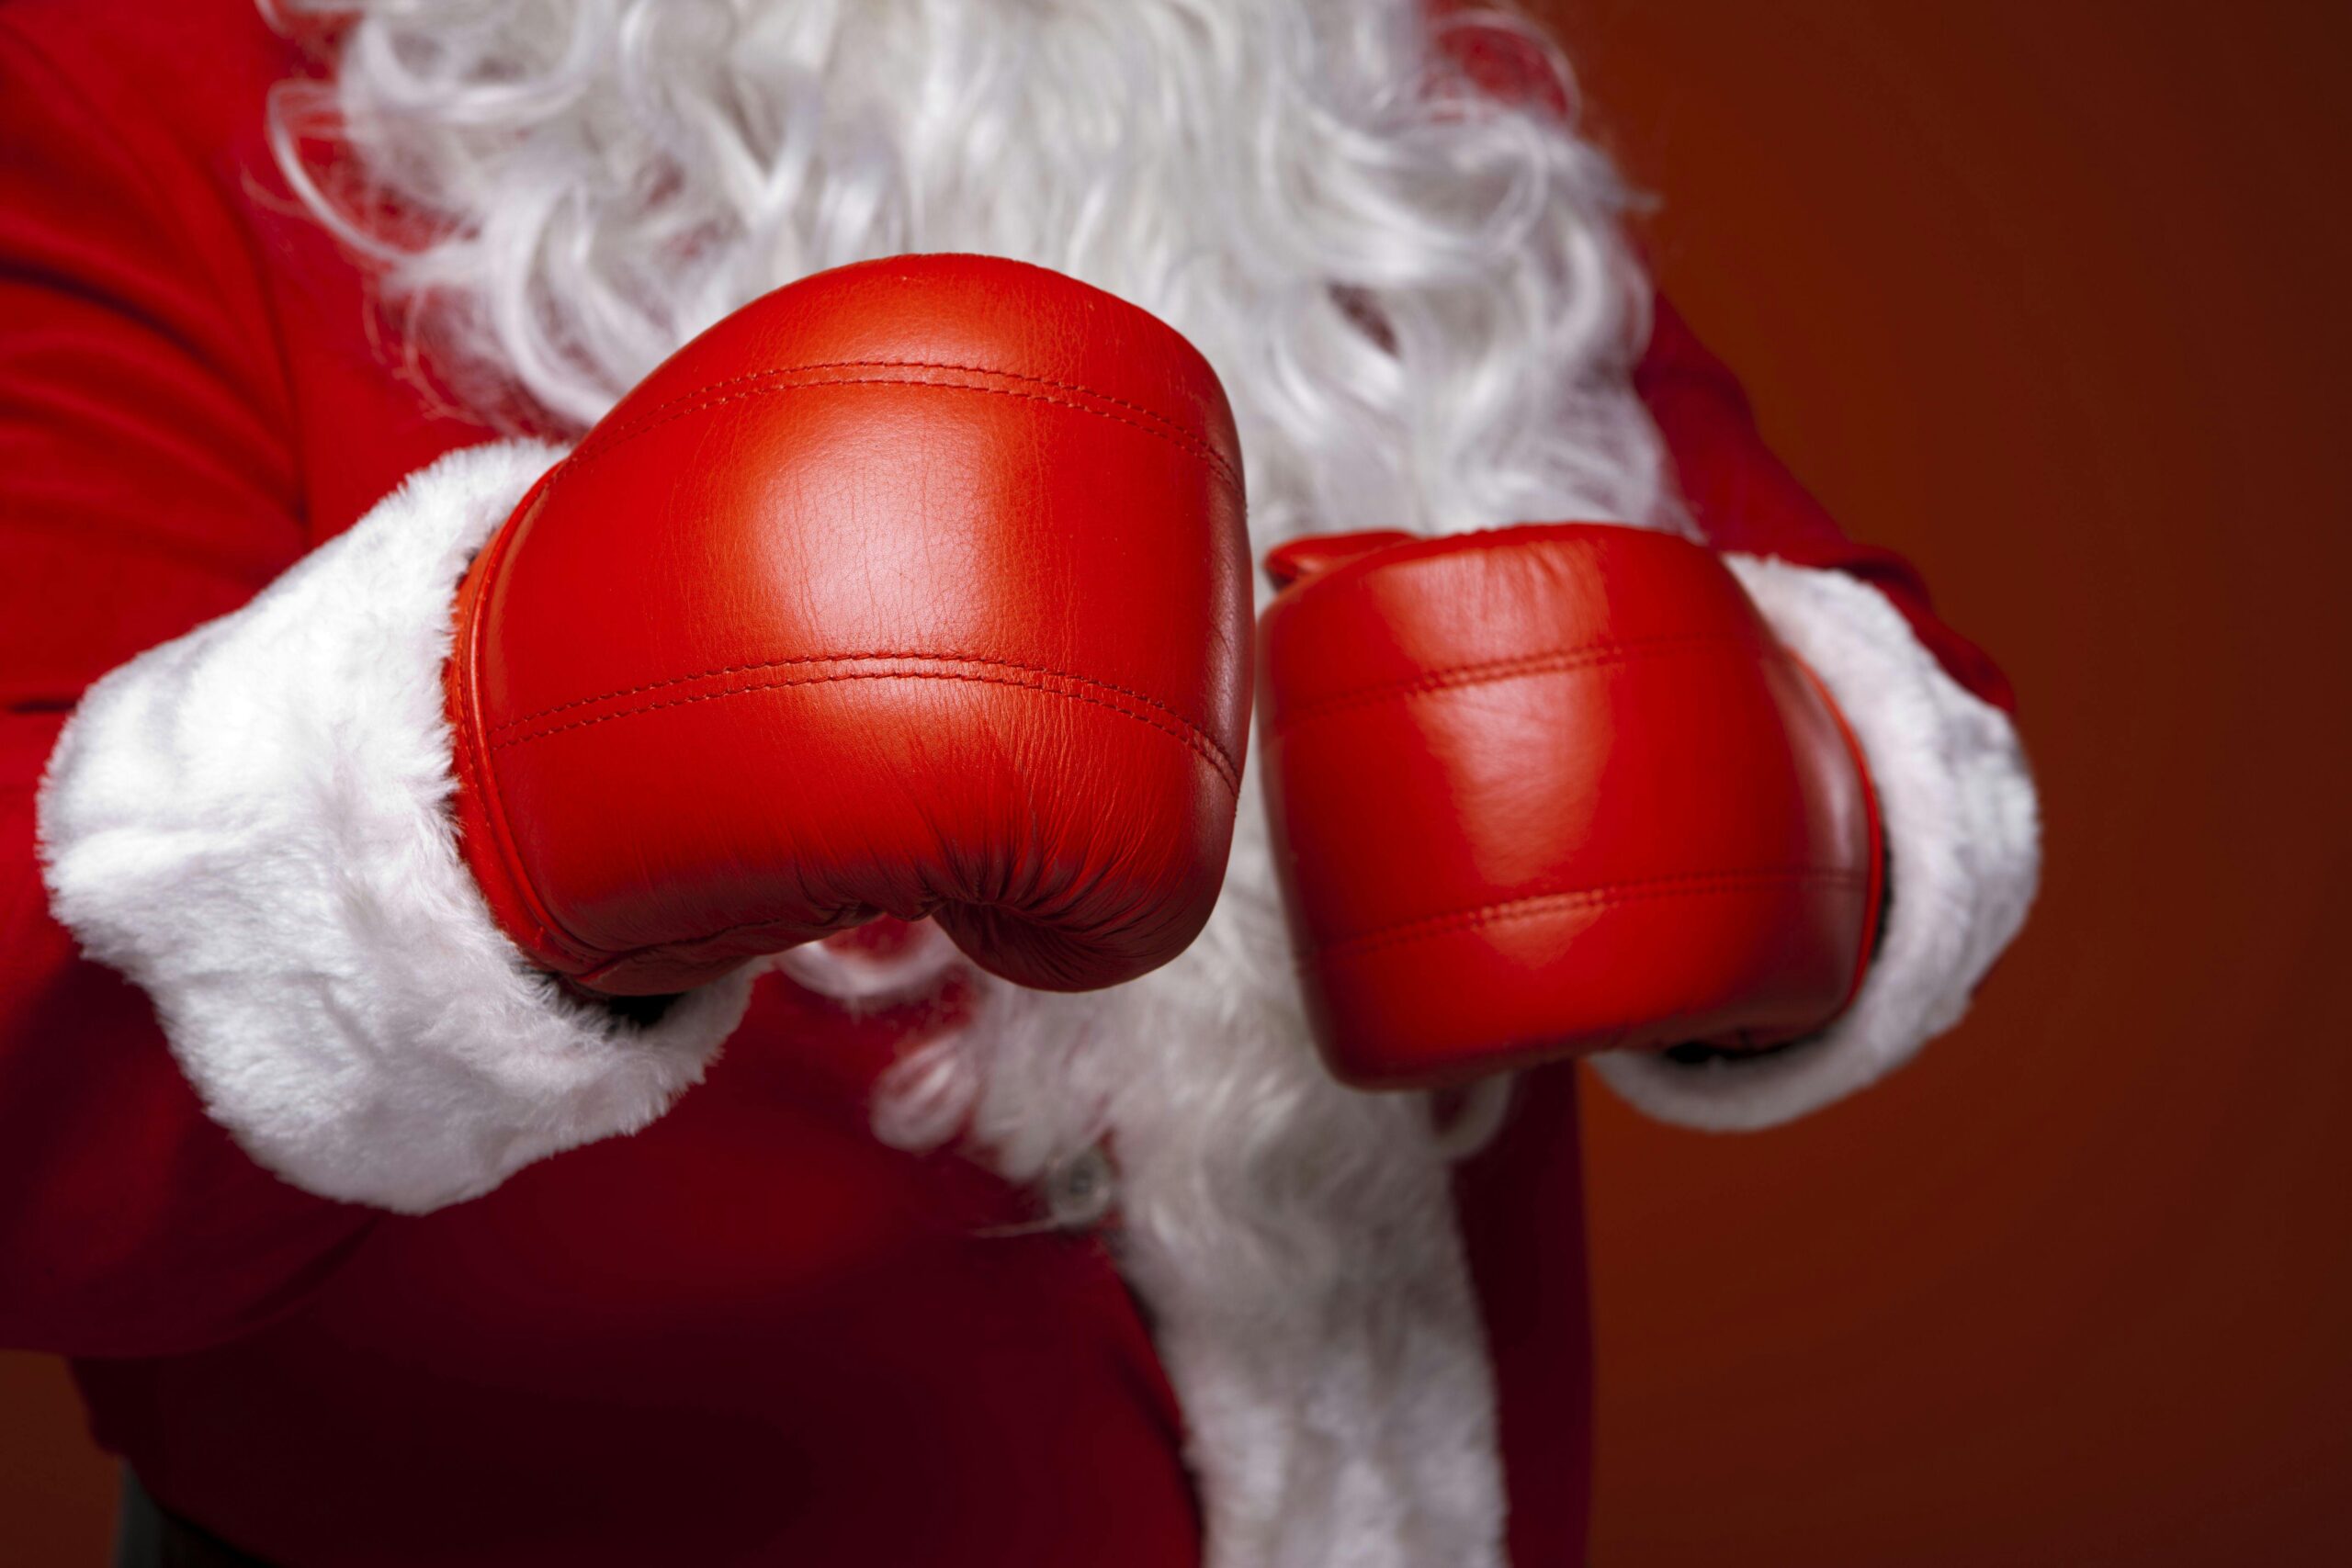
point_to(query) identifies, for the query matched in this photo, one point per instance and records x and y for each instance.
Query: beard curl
(1416, 291)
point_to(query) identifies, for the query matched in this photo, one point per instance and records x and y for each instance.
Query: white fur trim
(1294, 1240)
(251, 822)
(1963, 858)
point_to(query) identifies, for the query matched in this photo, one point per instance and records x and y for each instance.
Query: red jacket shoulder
(187, 69)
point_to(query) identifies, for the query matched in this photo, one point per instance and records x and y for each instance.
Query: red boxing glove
(1549, 791)
(916, 588)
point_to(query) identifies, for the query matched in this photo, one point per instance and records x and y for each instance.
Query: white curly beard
(1416, 294)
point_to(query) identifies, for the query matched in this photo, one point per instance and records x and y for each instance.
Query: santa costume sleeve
(1932, 715)
(1934, 718)
(224, 775)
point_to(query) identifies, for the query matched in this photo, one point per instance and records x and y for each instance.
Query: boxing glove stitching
(1685, 886)
(1174, 436)
(1203, 745)
(500, 732)
(1175, 427)
(474, 764)
(1559, 662)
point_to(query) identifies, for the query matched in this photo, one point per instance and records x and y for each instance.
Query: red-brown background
(2051, 295)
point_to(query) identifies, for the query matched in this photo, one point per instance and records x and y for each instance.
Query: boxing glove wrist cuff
(253, 822)
(1957, 805)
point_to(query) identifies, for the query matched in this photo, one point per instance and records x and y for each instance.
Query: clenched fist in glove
(916, 588)
(1549, 791)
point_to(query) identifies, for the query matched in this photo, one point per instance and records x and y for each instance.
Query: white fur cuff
(251, 822)
(1963, 857)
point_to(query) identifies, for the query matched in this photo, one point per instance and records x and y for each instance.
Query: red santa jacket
(751, 1332)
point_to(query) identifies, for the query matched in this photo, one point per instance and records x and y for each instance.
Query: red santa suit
(318, 1189)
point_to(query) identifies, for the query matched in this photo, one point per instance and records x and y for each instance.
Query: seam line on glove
(1518, 667)
(1687, 885)
(699, 402)
(475, 766)
(990, 672)
(510, 727)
